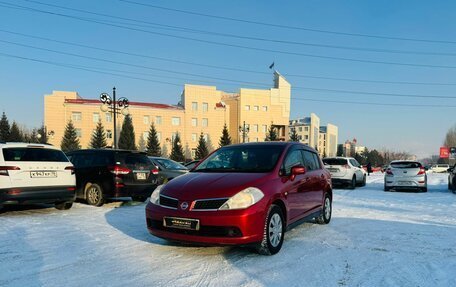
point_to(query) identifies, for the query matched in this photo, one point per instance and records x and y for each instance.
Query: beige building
(202, 109)
(322, 138)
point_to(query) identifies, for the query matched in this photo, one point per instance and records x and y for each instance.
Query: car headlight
(155, 196)
(243, 199)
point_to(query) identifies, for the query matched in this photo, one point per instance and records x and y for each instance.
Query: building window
(173, 136)
(146, 120)
(175, 121)
(194, 136)
(255, 108)
(194, 106)
(306, 137)
(300, 129)
(108, 117)
(204, 122)
(194, 122)
(78, 132)
(306, 129)
(205, 107)
(247, 107)
(76, 116)
(158, 120)
(264, 128)
(96, 117)
(145, 136)
(193, 152)
(109, 134)
(265, 108)
(206, 137)
(256, 139)
(159, 137)
(255, 128)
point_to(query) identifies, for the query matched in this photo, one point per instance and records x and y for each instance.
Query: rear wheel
(424, 189)
(325, 216)
(94, 195)
(386, 188)
(274, 229)
(63, 205)
(353, 182)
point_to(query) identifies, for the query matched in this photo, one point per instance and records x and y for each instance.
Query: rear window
(405, 164)
(134, 160)
(335, 161)
(33, 154)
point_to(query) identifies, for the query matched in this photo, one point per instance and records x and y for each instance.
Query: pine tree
(33, 138)
(98, 139)
(127, 135)
(4, 128)
(177, 152)
(70, 139)
(153, 145)
(271, 135)
(201, 149)
(141, 144)
(294, 135)
(15, 134)
(340, 150)
(225, 139)
(42, 138)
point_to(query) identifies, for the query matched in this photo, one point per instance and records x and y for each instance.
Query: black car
(452, 178)
(107, 173)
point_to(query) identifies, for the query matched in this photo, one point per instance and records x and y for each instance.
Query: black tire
(363, 183)
(139, 198)
(63, 205)
(326, 212)
(450, 187)
(353, 183)
(424, 189)
(94, 195)
(385, 188)
(270, 246)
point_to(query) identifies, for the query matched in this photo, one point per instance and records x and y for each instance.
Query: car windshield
(246, 158)
(405, 164)
(170, 164)
(334, 161)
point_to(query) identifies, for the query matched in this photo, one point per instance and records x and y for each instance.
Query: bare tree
(450, 138)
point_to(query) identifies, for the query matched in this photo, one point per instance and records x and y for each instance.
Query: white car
(405, 174)
(35, 173)
(439, 168)
(345, 170)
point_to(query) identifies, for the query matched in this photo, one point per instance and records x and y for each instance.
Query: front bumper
(42, 194)
(228, 227)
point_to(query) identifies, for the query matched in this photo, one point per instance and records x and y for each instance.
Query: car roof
(272, 143)
(22, 144)
(339, 157)
(106, 150)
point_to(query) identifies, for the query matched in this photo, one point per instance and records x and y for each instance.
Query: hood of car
(198, 185)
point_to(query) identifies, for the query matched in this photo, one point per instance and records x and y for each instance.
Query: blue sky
(419, 130)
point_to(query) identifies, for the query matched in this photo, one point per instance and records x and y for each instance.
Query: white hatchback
(35, 173)
(345, 170)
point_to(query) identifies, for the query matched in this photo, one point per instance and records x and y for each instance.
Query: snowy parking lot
(375, 238)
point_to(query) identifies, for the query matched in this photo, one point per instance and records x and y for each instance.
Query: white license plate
(43, 174)
(405, 183)
(141, 175)
(333, 169)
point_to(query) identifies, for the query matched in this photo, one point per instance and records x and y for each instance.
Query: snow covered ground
(375, 238)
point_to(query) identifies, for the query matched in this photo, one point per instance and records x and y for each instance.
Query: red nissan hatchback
(246, 194)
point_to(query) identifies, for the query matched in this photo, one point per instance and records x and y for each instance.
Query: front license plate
(43, 174)
(181, 223)
(141, 175)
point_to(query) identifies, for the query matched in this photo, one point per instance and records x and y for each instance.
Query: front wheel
(63, 205)
(94, 195)
(363, 183)
(325, 216)
(274, 229)
(353, 183)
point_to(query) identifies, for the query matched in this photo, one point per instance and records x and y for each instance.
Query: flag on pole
(271, 66)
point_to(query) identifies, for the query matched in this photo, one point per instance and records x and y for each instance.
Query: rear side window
(335, 161)
(309, 160)
(405, 164)
(103, 159)
(34, 154)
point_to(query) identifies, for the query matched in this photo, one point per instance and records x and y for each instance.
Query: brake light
(70, 168)
(4, 169)
(388, 171)
(119, 170)
(154, 171)
(71, 188)
(422, 171)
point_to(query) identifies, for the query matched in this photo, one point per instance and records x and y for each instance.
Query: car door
(314, 173)
(82, 162)
(359, 172)
(297, 190)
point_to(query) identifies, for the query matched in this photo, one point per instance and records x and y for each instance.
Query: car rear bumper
(42, 194)
(406, 183)
(235, 227)
(340, 181)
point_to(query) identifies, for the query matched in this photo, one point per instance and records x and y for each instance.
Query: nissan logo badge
(184, 205)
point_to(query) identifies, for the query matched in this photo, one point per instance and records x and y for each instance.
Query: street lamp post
(244, 130)
(114, 106)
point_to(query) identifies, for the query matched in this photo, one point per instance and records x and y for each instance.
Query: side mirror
(297, 170)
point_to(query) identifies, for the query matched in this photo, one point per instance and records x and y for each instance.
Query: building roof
(140, 104)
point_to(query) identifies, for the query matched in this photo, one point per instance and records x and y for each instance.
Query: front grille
(209, 231)
(206, 204)
(168, 202)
